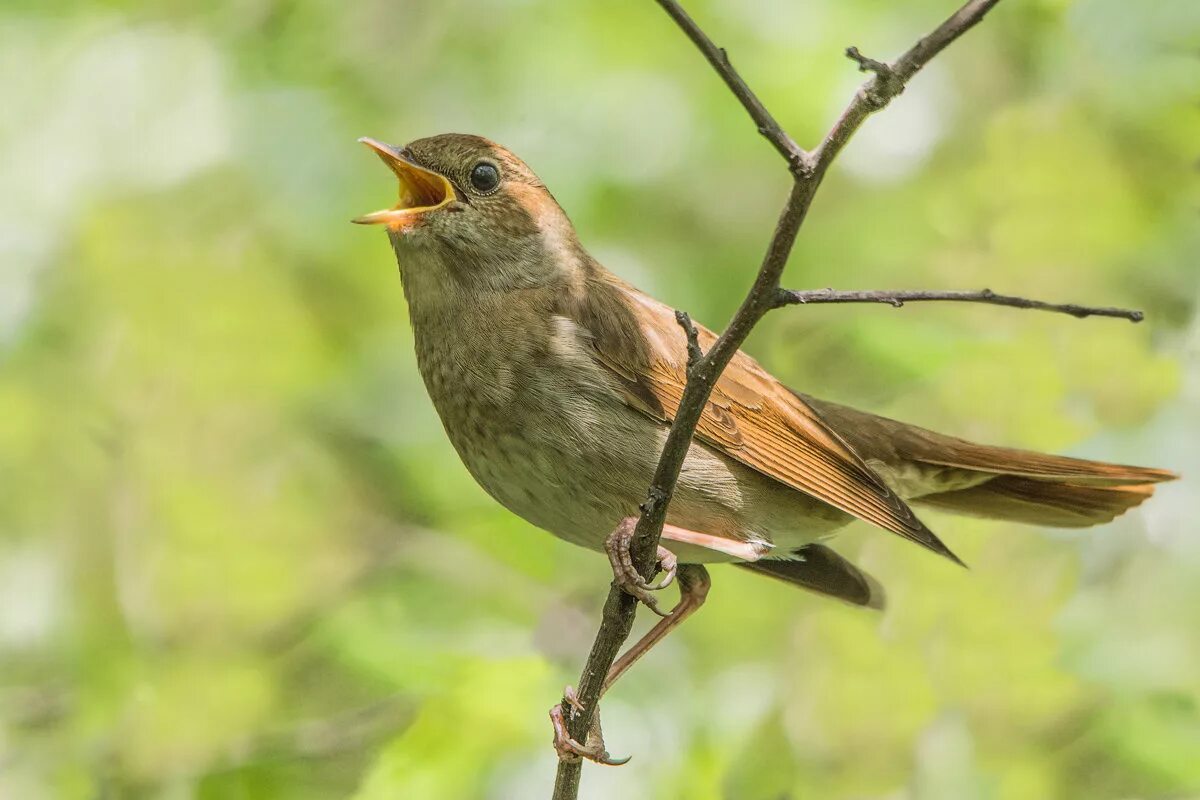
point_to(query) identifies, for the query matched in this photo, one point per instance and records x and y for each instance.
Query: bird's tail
(1057, 503)
(817, 568)
(995, 482)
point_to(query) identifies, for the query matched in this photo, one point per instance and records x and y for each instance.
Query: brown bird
(556, 382)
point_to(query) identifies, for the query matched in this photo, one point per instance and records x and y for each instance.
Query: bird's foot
(569, 749)
(627, 576)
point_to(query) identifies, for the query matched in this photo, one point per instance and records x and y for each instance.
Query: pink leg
(618, 543)
(693, 589)
(693, 581)
(745, 551)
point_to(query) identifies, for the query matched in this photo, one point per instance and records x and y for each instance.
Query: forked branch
(808, 168)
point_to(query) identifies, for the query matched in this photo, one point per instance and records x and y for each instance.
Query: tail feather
(996, 482)
(1039, 502)
(957, 453)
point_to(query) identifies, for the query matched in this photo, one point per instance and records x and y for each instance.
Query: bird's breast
(534, 419)
(547, 432)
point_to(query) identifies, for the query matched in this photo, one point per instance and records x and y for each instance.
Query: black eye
(485, 177)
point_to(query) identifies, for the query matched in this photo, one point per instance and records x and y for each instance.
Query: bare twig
(808, 168)
(771, 130)
(867, 64)
(693, 339)
(890, 80)
(793, 297)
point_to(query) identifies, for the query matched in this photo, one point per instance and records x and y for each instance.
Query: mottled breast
(535, 420)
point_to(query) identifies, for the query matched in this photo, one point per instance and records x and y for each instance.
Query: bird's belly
(561, 449)
(577, 475)
(550, 468)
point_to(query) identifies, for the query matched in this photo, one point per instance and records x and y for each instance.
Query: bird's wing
(750, 417)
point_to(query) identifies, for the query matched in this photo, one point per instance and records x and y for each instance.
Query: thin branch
(693, 339)
(620, 608)
(808, 169)
(771, 130)
(867, 64)
(793, 297)
(890, 80)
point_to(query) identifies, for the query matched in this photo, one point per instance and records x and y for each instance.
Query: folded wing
(750, 418)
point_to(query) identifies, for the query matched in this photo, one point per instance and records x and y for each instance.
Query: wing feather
(750, 418)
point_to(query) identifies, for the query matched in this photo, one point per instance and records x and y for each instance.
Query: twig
(866, 64)
(771, 130)
(890, 80)
(808, 169)
(693, 339)
(793, 297)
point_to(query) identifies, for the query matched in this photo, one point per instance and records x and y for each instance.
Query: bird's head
(472, 215)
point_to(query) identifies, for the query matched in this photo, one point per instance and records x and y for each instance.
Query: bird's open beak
(421, 191)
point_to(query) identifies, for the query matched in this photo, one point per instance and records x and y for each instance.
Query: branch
(808, 170)
(890, 80)
(771, 130)
(793, 297)
(693, 339)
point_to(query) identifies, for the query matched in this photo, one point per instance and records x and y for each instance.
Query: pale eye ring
(485, 177)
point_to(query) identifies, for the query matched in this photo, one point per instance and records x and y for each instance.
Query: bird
(556, 382)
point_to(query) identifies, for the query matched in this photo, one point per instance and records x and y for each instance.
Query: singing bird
(556, 382)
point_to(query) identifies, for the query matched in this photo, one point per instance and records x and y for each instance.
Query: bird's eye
(485, 177)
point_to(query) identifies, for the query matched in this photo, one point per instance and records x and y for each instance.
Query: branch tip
(718, 58)
(868, 64)
(897, 299)
(694, 353)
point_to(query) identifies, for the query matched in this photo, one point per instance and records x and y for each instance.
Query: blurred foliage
(238, 558)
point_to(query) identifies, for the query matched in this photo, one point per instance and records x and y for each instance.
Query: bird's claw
(572, 700)
(627, 576)
(568, 748)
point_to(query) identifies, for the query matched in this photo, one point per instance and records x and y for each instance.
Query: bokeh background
(239, 559)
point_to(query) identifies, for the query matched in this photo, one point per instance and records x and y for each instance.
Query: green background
(239, 559)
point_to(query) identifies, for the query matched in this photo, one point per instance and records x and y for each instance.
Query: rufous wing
(750, 417)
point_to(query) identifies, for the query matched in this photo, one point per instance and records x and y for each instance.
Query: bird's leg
(626, 575)
(694, 584)
(617, 545)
